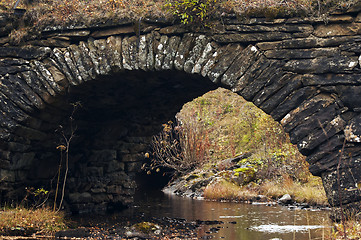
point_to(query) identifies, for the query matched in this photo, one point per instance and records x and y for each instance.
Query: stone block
(221, 63)
(199, 44)
(26, 52)
(281, 94)
(133, 167)
(184, 48)
(114, 189)
(251, 37)
(292, 102)
(112, 31)
(77, 197)
(115, 166)
(336, 64)
(160, 51)
(7, 175)
(332, 30)
(22, 160)
(240, 65)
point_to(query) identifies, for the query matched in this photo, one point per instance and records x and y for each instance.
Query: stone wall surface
(304, 72)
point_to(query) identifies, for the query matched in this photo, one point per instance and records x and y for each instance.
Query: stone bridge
(304, 72)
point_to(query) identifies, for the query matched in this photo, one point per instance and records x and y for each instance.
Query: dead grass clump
(224, 190)
(310, 192)
(40, 221)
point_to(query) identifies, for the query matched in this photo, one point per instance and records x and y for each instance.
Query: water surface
(239, 220)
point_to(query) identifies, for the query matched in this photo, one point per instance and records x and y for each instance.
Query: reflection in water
(241, 221)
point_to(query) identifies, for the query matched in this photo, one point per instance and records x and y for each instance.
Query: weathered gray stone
(150, 51)
(171, 51)
(27, 52)
(301, 53)
(7, 175)
(103, 56)
(173, 29)
(133, 52)
(160, 52)
(16, 94)
(222, 62)
(21, 161)
(115, 45)
(74, 71)
(208, 51)
(330, 79)
(42, 68)
(63, 67)
(255, 79)
(42, 78)
(184, 48)
(271, 72)
(292, 101)
(96, 59)
(251, 37)
(143, 52)
(112, 31)
(318, 136)
(51, 42)
(33, 82)
(314, 121)
(253, 73)
(337, 64)
(270, 28)
(240, 65)
(87, 59)
(282, 92)
(12, 66)
(305, 110)
(343, 184)
(80, 197)
(76, 54)
(353, 130)
(194, 54)
(337, 30)
(70, 34)
(303, 43)
(125, 54)
(349, 95)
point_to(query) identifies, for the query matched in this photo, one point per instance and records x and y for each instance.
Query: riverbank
(25, 222)
(239, 183)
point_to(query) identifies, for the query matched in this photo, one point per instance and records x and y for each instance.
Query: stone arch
(37, 77)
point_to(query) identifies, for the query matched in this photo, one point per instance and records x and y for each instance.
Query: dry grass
(224, 190)
(311, 192)
(42, 13)
(40, 221)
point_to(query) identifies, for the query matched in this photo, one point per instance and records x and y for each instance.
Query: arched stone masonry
(305, 74)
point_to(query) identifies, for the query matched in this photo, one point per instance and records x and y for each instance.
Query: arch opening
(113, 125)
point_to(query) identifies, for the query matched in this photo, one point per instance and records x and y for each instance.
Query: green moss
(146, 227)
(246, 170)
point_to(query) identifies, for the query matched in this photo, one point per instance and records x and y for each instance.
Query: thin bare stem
(343, 218)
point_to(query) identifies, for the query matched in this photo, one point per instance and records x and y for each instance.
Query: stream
(219, 220)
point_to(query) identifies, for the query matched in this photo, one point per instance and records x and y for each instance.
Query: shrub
(192, 11)
(179, 147)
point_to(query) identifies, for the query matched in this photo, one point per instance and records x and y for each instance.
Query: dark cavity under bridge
(304, 73)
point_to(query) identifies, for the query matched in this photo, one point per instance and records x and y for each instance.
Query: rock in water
(285, 199)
